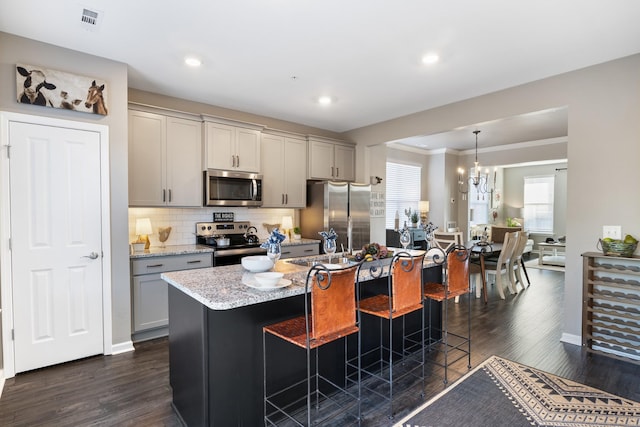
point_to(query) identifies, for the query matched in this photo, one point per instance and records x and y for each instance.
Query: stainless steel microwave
(229, 188)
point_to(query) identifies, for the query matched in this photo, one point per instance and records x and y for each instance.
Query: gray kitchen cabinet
(150, 307)
(294, 251)
(164, 160)
(284, 172)
(329, 159)
(231, 147)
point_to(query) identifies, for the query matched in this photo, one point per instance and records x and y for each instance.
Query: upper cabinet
(230, 147)
(284, 174)
(164, 160)
(330, 159)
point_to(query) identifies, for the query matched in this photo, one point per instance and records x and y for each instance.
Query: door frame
(6, 284)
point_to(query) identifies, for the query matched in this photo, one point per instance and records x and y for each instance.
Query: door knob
(92, 255)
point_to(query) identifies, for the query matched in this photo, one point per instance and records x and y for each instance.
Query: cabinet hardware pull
(170, 195)
(286, 252)
(194, 262)
(331, 170)
(308, 250)
(237, 161)
(337, 171)
(286, 199)
(155, 265)
(164, 195)
(283, 198)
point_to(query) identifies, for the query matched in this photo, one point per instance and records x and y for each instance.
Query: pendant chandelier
(478, 180)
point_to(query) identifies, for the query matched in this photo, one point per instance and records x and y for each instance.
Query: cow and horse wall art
(58, 89)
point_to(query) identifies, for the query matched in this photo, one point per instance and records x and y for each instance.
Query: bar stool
(330, 313)
(455, 283)
(381, 364)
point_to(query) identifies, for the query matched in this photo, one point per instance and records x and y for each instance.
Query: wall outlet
(612, 231)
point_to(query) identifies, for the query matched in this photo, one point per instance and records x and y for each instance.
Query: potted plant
(414, 219)
(296, 233)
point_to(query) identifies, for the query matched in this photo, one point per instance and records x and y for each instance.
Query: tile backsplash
(182, 221)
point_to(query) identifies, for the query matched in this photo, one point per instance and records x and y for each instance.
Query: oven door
(226, 188)
(234, 256)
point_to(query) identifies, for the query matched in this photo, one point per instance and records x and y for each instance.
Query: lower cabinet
(294, 251)
(150, 307)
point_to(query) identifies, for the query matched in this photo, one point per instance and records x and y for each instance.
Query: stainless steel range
(231, 240)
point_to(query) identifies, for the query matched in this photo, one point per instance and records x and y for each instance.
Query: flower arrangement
(372, 251)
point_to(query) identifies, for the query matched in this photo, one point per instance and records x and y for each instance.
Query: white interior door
(56, 244)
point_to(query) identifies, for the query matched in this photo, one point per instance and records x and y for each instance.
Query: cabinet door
(220, 149)
(273, 186)
(151, 303)
(247, 150)
(184, 178)
(295, 173)
(320, 160)
(344, 161)
(147, 139)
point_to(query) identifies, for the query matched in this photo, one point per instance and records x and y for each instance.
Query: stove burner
(208, 232)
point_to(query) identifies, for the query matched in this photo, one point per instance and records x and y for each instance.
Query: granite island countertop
(222, 288)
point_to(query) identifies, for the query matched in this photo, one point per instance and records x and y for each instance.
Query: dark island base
(215, 356)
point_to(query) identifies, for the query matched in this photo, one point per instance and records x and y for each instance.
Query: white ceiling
(366, 54)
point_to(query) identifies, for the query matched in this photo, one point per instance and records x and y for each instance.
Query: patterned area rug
(504, 393)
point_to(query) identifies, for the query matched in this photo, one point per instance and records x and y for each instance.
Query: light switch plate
(612, 231)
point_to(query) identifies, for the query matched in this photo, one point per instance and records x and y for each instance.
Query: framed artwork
(58, 89)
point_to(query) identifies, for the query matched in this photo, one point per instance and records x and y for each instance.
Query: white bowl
(270, 278)
(257, 263)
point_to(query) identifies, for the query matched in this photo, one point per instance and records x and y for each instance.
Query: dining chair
(330, 314)
(517, 263)
(501, 266)
(446, 239)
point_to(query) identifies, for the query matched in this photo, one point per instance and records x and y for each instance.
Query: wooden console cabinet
(611, 306)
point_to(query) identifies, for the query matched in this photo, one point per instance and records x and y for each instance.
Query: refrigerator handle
(349, 233)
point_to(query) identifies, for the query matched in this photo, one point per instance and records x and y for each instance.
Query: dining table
(480, 252)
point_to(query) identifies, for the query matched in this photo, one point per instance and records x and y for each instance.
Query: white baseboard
(571, 339)
(122, 347)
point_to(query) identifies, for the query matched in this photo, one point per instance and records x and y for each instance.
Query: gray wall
(513, 193)
(16, 49)
(603, 105)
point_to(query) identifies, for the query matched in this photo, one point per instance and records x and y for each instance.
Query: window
(402, 191)
(538, 203)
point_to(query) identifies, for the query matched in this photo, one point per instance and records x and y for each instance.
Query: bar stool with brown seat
(455, 283)
(393, 360)
(331, 313)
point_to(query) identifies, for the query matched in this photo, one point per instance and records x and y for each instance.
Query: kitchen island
(215, 338)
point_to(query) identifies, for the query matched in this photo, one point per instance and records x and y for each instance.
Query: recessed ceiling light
(325, 100)
(192, 61)
(430, 58)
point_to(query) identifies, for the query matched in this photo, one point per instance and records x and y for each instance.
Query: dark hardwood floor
(133, 389)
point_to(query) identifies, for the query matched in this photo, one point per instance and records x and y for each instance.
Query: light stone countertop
(155, 251)
(169, 250)
(222, 288)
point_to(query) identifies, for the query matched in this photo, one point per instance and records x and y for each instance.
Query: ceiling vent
(91, 19)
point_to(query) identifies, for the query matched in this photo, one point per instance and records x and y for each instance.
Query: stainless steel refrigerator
(342, 206)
